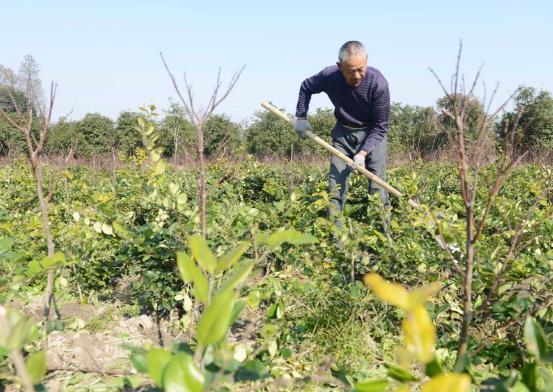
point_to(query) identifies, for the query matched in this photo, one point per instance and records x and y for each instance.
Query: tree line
(414, 131)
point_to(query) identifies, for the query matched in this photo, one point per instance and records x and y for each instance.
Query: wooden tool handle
(339, 154)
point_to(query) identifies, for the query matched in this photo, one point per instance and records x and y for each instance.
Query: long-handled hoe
(340, 155)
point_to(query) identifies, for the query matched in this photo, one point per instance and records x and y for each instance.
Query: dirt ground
(90, 351)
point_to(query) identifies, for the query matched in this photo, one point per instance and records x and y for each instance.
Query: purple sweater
(367, 105)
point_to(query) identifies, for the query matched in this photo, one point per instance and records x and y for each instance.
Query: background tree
(222, 136)
(95, 135)
(268, 135)
(178, 136)
(12, 141)
(413, 130)
(536, 117)
(126, 138)
(28, 77)
(473, 115)
(62, 138)
(9, 95)
(323, 122)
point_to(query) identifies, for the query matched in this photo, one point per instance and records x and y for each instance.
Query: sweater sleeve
(310, 86)
(380, 113)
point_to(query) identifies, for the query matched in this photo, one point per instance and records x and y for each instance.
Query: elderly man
(361, 106)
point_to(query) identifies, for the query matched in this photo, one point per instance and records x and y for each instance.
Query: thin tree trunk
(467, 287)
(203, 196)
(49, 292)
(19, 364)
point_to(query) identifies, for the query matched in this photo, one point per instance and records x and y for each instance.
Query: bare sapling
(198, 117)
(24, 120)
(471, 155)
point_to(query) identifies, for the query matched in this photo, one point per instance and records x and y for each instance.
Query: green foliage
(177, 135)
(62, 138)
(221, 136)
(36, 366)
(126, 137)
(95, 135)
(181, 371)
(413, 130)
(536, 118)
(16, 331)
(7, 97)
(474, 113)
(12, 142)
(269, 136)
(127, 236)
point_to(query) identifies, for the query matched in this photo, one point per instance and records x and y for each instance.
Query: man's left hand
(359, 160)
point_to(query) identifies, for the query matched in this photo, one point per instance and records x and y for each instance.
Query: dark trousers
(349, 142)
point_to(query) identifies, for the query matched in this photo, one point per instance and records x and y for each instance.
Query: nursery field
(277, 297)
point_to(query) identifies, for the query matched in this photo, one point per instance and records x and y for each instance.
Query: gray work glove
(358, 160)
(301, 125)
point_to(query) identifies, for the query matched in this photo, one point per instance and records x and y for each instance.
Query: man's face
(354, 68)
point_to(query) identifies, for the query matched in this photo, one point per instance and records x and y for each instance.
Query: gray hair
(351, 48)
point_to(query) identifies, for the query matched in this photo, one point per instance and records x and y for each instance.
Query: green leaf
(239, 274)
(433, 368)
(530, 375)
(192, 274)
(536, 341)
(462, 364)
(252, 370)
(158, 359)
(232, 256)
(140, 362)
(5, 245)
(399, 373)
(5, 250)
(519, 387)
(371, 386)
(292, 236)
(34, 268)
(547, 377)
(183, 375)
(20, 329)
(205, 258)
(120, 229)
(54, 261)
(215, 320)
(36, 366)
(237, 309)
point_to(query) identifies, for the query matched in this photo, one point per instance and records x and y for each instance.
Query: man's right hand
(301, 125)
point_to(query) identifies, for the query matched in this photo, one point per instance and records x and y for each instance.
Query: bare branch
(187, 108)
(210, 106)
(231, 85)
(199, 118)
(195, 117)
(439, 81)
(458, 64)
(476, 78)
(9, 119)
